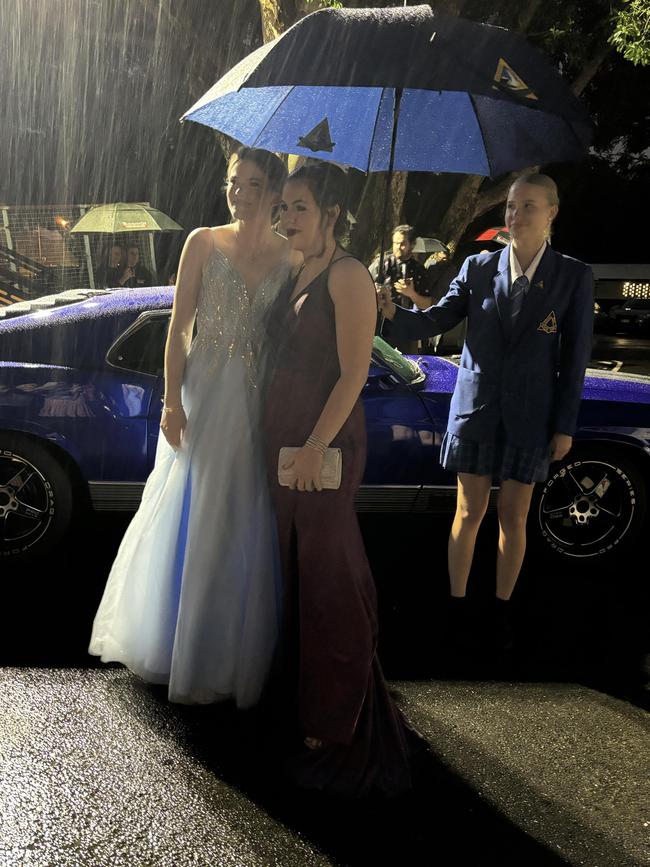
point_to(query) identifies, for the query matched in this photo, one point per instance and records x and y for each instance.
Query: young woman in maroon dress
(323, 324)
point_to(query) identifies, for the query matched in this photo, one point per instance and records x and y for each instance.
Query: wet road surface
(540, 764)
(626, 352)
(98, 769)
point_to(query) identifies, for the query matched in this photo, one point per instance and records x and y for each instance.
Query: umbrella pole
(389, 178)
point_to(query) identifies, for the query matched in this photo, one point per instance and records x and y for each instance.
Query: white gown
(193, 598)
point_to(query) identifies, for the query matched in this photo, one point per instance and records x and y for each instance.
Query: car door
(401, 434)
(139, 352)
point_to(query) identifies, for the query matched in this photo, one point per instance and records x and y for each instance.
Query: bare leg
(513, 505)
(471, 506)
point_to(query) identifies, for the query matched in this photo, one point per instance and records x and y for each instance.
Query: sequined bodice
(228, 319)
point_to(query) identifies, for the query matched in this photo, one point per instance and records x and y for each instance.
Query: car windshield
(407, 369)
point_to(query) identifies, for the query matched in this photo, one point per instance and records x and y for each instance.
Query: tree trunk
(525, 14)
(471, 202)
(366, 239)
(279, 15)
(461, 210)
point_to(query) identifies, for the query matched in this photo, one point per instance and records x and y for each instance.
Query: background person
(406, 277)
(401, 265)
(112, 268)
(134, 273)
(529, 317)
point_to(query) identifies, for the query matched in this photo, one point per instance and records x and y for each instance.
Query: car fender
(45, 435)
(634, 441)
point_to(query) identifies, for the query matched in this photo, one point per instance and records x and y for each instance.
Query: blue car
(81, 387)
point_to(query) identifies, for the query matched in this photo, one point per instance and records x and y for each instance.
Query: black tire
(593, 506)
(34, 516)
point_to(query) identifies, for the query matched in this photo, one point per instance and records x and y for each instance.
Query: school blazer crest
(527, 377)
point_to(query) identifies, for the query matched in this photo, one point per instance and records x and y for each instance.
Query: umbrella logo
(507, 79)
(318, 139)
(549, 325)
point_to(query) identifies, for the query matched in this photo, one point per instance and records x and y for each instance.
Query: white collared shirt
(515, 267)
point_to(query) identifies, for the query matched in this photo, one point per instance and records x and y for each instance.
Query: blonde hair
(536, 179)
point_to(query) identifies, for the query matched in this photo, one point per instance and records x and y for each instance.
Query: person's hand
(406, 287)
(172, 423)
(560, 446)
(385, 303)
(128, 273)
(307, 464)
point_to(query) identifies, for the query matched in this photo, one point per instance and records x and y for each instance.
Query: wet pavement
(624, 352)
(545, 764)
(98, 770)
(566, 764)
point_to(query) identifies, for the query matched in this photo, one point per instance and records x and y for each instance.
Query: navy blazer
(528, 378)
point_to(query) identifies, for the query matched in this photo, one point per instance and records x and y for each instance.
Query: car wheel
(593, 505)
(35, 497)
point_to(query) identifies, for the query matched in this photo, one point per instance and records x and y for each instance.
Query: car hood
(606, 385)
(62, 330)
(620, 387)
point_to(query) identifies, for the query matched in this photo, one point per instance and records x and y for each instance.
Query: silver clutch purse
(330, 476)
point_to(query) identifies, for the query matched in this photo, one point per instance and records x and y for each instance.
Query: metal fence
(38, 255)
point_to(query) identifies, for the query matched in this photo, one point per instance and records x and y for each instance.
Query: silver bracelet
(316, 443)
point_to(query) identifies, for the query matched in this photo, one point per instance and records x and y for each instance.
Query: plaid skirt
(498, 459)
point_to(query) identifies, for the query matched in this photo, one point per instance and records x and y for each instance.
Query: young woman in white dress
(193, 597)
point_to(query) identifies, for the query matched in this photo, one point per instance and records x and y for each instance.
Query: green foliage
(631, 36)
(321, 4)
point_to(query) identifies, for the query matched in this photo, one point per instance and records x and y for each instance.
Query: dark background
(92, 90)
(581, 623)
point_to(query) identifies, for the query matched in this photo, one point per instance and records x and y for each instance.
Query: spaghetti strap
(333, 261)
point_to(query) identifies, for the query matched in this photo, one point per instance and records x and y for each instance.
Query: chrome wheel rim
(26, 503)
(586, 508)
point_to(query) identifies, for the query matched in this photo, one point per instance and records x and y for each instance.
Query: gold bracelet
(170, 408)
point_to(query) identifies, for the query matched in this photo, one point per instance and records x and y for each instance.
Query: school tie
(518, 292)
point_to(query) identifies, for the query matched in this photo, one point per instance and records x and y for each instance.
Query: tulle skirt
(194, 596)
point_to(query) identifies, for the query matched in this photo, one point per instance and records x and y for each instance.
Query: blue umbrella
(401, 88)
(406, 89)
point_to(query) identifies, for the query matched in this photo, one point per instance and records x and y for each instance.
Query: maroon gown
(330, 629)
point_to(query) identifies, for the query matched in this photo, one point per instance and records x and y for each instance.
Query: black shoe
(460, 637)
(459, 621)
(502, 630)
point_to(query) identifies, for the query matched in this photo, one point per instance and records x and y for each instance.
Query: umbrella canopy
(497, 233)
(429, 245)
(401, 88)
(124, 217)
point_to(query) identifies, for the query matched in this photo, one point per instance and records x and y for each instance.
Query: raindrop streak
(92, 91)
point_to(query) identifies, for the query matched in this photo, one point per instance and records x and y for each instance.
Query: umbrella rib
(275, 110)
(374, 128)
(478, 123)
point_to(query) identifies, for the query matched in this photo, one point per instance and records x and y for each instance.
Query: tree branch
(526, 15)
(590, 69)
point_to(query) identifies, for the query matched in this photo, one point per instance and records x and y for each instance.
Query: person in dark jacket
(529, 314)
(110, 272)
(405, 276)
(134, 273)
